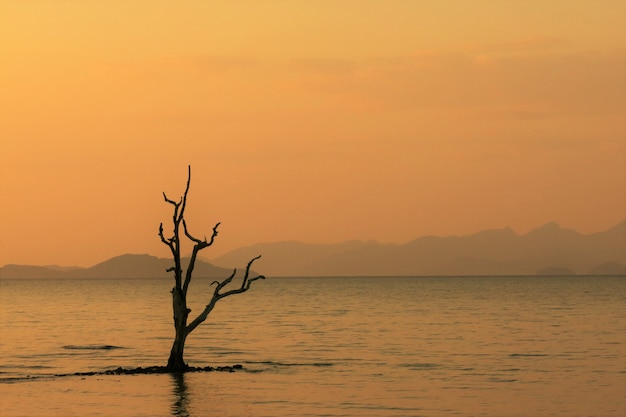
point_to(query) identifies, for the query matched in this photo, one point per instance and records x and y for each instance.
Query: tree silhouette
(181, 312)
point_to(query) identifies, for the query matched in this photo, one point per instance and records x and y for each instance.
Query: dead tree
(181, 312)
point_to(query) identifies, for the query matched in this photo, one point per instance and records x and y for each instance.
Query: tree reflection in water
(179, 407)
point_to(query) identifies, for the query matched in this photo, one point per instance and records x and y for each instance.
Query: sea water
(385, 346)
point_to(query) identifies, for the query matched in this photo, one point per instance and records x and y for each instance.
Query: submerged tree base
(158, 370)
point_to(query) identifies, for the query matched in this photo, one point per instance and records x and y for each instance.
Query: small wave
(14, 379)
(92, 347)
(22, 366)
(225, 352)
(419, 366)
(516, 355)
(501, 380)
(277, 364)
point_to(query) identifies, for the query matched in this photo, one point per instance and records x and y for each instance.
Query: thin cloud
(532, 85)
(530, 44)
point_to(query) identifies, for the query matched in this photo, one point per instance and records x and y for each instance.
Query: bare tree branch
(184, 199)
(245, 286)
(197, 241)
(245, 278)
(202, 243)
(199, 245)
(174, 203)
(173, 243)
(214, 234)
(169, 243)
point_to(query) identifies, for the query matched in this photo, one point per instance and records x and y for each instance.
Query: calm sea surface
(473, 346)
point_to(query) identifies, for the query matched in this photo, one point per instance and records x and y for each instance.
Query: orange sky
(316, 121)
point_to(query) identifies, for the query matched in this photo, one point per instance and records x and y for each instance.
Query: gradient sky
(317, 121)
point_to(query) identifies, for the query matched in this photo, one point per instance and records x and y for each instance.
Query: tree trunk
(176, 361)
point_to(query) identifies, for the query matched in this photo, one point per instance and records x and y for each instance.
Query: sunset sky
(309, 120)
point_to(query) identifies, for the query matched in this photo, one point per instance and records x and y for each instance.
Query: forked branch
(217, 295)
(172, 202)
(199, 245)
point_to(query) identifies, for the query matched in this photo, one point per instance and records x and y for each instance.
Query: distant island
(123, 266)
(548, 250)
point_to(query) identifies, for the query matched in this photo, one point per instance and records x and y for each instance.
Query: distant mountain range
(548, 250)
(124, 266)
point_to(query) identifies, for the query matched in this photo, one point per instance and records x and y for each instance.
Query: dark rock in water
(156, 370)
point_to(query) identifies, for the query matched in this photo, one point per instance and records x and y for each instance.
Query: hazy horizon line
(373, 241)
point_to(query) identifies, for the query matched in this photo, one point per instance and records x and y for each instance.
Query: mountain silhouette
(123, 266)
(545, 251)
